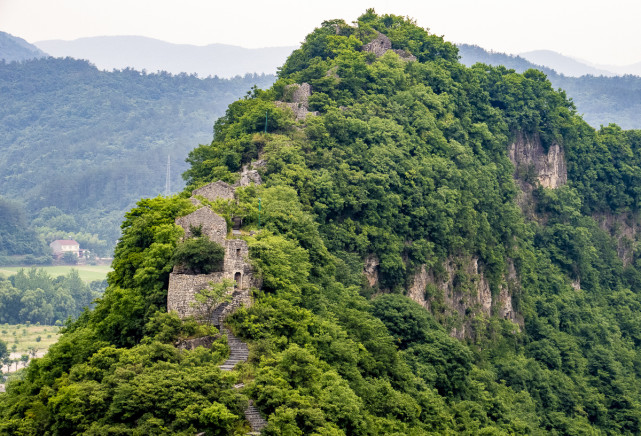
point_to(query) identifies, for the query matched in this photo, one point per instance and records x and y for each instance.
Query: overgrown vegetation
(406, 161)
(199, 255)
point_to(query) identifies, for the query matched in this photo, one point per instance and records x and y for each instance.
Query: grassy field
(20, 338)
(88, 273)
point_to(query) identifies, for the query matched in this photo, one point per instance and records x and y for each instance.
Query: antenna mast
(168, 177)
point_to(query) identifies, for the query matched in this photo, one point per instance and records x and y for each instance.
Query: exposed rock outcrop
(192, 344)
(371, 269)
(462, 291)
(248, 176)
(625, 228)
(533, 165)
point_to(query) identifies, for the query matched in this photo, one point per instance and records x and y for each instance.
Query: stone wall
(378, 45)
(183, 288)
(299, 100)
(236, 267)
(236, 255)
(215, 190)
(211, 225)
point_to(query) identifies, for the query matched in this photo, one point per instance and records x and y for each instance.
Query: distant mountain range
(138, 52)
(565, 65)
(152, 55)
(573, 67)
(13, 48)
(547, 61)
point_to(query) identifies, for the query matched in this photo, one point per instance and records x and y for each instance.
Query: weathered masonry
(183, 286)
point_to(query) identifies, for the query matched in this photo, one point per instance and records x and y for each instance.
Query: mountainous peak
(372, 35)
(13, 48)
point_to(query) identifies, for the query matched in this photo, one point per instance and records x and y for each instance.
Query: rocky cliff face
(460, 293)
(534, 165)
(625, 228)
(371, 270)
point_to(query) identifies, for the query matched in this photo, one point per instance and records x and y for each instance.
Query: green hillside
(80, 145)
(600, 100)
(443, 250)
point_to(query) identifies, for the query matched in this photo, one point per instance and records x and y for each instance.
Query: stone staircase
(239, 353)
(256, 422)
(228, 307)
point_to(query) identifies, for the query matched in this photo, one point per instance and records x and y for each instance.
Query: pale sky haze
(596, 31)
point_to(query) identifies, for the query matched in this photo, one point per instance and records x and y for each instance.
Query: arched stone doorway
(238, 280)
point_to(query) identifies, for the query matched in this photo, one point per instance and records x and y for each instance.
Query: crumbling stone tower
(236, 267)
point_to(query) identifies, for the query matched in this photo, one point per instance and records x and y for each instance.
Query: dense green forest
(89, 143)
(600, 100)
(33, 296)
(407, 161)
(16, 234)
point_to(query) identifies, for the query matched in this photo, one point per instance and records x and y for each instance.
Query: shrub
(199, 255)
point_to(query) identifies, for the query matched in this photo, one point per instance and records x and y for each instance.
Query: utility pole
(168, 177)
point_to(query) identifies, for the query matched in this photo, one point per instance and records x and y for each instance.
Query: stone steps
(238, 351)
(256, 422)
(226, 308)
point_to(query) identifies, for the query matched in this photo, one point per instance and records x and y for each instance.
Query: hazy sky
(597, 31)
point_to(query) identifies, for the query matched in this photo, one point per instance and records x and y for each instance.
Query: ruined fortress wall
(236, 255)
(236, 267)
(216, 190)
(183, 288)
(212, 225)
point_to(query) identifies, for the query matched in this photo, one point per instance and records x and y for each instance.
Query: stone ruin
(222, 190)
(210, 224)
(382, 44)
(378, 45)
(236, 267)
(215, 190)
(300, 100)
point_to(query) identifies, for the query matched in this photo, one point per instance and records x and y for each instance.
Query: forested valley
(402, 167)
(81, 145)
